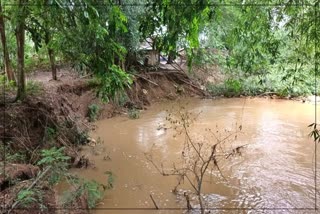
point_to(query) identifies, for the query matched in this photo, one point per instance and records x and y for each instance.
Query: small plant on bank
(57, 161)
(92, 189)
(50, 133)
(229, 88)
(121, 98)
(27, 197)
(4, 83)
(82, 138)
(233, 87)
(113, 82)
(94, 82)
(11, 156)
(93, 112)
(34, 88)
(133, 113)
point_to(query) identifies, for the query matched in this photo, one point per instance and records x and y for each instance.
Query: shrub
(33, 87)
(93, 112)
(233, 87)
(57, 160)
(133, 113)
(92, 189)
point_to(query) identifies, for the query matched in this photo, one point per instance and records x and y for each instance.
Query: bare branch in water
(197, 157)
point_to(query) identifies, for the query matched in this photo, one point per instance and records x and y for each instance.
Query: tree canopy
(103, 35)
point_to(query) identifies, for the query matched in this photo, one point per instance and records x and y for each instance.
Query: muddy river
(274, 170)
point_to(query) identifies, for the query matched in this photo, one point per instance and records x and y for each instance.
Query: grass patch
(34, 88)
(133, 113)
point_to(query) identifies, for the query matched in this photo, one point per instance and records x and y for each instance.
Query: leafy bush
(50, 133)
(94, 82)
(33, 87)
(272, 82)
(26, 197)
(114, 82)
(36, 62)
(11, 156)
(233, 87)
(92, 189)
(82, 138)
(9, 85)
(121, 98)
(93, 112)
(133, 113)
(57, 160)
(230, 88)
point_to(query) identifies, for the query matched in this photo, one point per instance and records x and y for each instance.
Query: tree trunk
(20, 37)
(170, 57)
(52, 63)
(6, 59)
(51, 57)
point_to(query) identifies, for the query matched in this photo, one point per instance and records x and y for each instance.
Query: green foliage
(230, 88)
(34, 62)
(94, 194)
(269, 49)
(16, 158)
(94, 82)
(82, 138)
(27, 197)
(273, 82)
(175, 23)
(113, 83)
(34, 88)
(50, 133)
(315, 132)
(52, 156)
(57, 160)
(110, 180)
(92, 189)
(93, 112)
(11, 156)
(7, 85)
(133, 113)
(233, 87)
(121, 98)
(102, 36)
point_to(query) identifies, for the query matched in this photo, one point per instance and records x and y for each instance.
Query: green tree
(173, 21)
(6, 59)
(20, 38)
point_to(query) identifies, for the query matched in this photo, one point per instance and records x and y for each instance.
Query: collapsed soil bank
(62, 106)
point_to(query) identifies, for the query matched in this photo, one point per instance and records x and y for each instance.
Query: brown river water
(275, 170)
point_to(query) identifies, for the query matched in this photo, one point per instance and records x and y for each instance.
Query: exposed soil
(62, 106)
(13, 172)
(8, 197)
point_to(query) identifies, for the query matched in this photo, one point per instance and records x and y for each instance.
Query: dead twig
(154, 202)
(146, 79)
